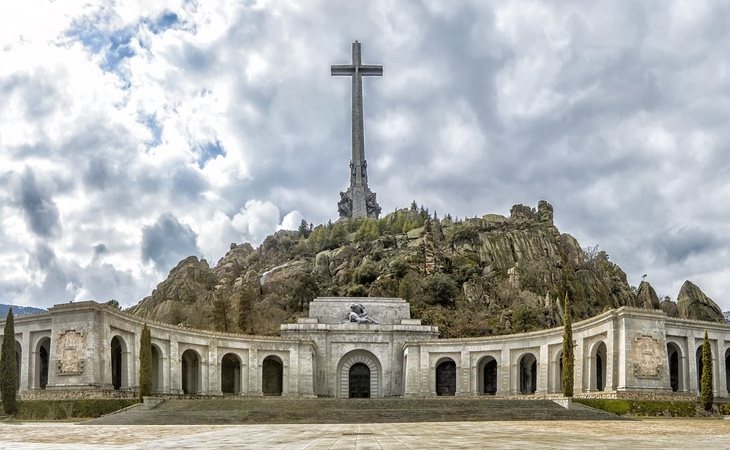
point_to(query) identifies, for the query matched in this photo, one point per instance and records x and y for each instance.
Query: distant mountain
(18, 310)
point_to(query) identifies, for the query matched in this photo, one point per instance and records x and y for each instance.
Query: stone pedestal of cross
(358, 200)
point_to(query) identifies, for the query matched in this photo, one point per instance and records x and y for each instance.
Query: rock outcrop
(669, 307)
(477, 276)
(692, 303)
(646, 297)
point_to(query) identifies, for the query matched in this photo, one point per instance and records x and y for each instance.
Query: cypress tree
(706, 395)
(8, 367)
(568, 357)
(145, 363)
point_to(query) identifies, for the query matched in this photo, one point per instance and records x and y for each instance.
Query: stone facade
(89, 349)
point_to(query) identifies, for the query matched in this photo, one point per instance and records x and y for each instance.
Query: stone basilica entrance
(359, 381)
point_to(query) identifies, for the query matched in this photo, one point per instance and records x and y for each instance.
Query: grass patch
(642, 407)
(70, 409)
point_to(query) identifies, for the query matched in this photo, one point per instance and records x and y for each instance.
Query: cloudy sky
(135, 133)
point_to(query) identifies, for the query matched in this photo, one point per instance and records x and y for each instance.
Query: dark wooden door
(359, 381)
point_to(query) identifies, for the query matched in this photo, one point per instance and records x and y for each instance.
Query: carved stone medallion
(647, 357)
(71, 349)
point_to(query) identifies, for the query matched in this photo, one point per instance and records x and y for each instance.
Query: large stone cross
(358, 201)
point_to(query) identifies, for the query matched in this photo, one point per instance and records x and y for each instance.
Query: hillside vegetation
(470, 277)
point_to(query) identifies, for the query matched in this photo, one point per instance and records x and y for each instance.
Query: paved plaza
(652, 433)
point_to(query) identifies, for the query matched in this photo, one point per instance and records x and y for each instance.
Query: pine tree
(145, 363)
(706, 395)
(8, 367)
(568, 357)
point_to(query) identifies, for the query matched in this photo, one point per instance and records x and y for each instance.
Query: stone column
(722, 374)
(506, 370)
(579, 386)
(610, 362)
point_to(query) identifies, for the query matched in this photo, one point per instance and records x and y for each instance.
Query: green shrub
(145, 363)
(8, 368)
(568, 357)
(68, 409)
(706, 395)
(642, 407)
(366, 273)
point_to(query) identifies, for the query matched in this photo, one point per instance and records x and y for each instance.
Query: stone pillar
(722, 374)
(505, 373)
(580, 351)
(25, 362)
(213, 387)
(462, 382)
(610, 362)
(175, 376)
(254, 369)
(543, 367)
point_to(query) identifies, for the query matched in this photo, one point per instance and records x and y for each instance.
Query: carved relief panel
(71, 351)
(647, 357)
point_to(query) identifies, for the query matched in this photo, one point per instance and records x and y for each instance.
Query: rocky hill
(471, 277)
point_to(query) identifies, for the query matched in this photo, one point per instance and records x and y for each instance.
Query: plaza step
(330, 410)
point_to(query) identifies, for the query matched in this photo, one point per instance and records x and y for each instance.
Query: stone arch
(557, 382)
(157, 369)
(119, 363)
(18, 362)
(230, 374)
(598, 366)
(528, 373)
(488, 371)
(190, 372)
(359, 357)
(674, 361)
(272, 375)
(42, 362)
(446, 377)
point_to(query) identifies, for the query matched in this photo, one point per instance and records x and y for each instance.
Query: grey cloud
(167, 241)
(39, 209)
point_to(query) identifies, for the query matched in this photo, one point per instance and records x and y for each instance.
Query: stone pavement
(650, 433)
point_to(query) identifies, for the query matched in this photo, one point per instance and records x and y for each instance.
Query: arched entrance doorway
(675, 372)
(190, 372)
(272, 375)
(43, 351)
(347, 375)
(230, 374)
(446, 378)
(488, 375)
(528, 374)
(600, 367)
(359, 381)
(119, 363)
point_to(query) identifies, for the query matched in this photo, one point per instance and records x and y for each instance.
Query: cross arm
(369, 69)
(343, 69)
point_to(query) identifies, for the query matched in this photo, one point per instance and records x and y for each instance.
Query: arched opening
(190, 371)
(119, 363)
(727, 370)
(344, 373)
(528, 374)
(230, 374)
(359, 381)
(600, 367)
(446, 378)
(156, 369)
(488, 375)
(43, 353)
(18, 362)
(700, 368)
(272, 376)
(675, 373)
